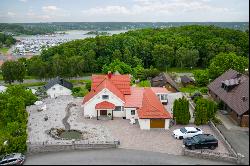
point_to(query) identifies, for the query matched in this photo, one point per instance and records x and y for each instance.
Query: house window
(132, 112)
(118, 108)
(53, 88)
(163, 97)
(105, 97)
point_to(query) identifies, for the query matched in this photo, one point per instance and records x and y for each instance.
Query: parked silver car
(13, 159)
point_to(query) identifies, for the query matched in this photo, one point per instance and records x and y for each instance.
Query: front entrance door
(103, 112)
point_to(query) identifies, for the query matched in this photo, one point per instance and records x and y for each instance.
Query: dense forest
(144, 50)
(6, 40)
(187, 46)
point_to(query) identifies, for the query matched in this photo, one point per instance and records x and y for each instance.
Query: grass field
(193, 89)
(4, 50)
(182, 70)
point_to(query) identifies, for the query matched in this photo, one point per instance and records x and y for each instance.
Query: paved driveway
(239, 141)
(132, 137)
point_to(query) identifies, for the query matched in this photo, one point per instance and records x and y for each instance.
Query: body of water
(70, 35)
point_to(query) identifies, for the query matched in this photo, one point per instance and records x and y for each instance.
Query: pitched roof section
(234, 97)
(152, 108)
(159, 90)
(59, 81)
(122, 82)
(162, 79)
(105, 105)
(104, 84)
(185, 79)
(135, 99)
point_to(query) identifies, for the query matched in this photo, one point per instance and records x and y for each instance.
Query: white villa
(112, 96)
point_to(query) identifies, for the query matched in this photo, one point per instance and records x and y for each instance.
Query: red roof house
(112, 96)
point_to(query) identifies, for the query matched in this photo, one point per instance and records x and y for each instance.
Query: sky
(21, 11)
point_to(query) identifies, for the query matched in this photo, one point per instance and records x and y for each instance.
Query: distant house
(58, 87)
(164, 80)
(2, 88)
(185, 80)
(232, 88)
(112, 96)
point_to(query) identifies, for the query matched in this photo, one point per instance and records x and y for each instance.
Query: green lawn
(182, 70)
(191, 89)
(4, 50)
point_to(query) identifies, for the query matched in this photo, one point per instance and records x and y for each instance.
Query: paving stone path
(65, 119)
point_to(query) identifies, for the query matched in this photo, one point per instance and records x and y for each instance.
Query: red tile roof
(135, 99)
(103, 84)
(122, 82)
(159, 90)
(105, 105)
(152, 108)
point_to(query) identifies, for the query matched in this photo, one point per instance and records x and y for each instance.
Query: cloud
(155, 8)
(49, 9)
(107, 10)
(11, 14)
(23, 0)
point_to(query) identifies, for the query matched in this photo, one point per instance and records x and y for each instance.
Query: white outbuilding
(58, 87)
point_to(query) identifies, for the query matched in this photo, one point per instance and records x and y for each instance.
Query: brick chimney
(109, 75)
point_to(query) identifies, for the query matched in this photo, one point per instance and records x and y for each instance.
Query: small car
(201, 141)
(13, 159)
(186, 132)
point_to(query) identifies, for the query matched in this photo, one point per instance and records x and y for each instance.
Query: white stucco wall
(167, 124)
(128, 113)
(89, 107)
(144, 124)
(58, 90)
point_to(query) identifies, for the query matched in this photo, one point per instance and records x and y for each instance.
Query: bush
(220, 105)
(79, 91)
(88, 85)
(204, 90)
(144, 84)
(204, 111)
(216, 121)
(181, 111)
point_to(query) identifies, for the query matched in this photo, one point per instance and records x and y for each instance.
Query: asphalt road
(239, 141)
(113, 157)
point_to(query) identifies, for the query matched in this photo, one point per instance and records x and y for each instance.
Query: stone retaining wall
(41, 147)
(206, 154)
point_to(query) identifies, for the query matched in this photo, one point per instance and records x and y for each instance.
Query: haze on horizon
(22, 11)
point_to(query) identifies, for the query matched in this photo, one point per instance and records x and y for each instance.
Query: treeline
(6, 40)
(187, 46)
(19, 29)
(183, 47)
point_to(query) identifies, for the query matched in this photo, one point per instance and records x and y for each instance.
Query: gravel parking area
(37, 126)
